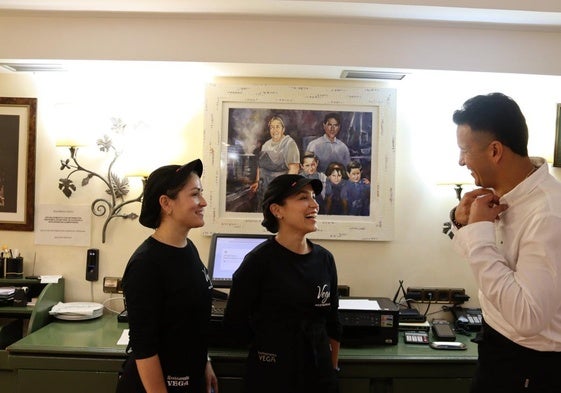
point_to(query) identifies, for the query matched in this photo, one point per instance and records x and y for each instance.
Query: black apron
(291, 357)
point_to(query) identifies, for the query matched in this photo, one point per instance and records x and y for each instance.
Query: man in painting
(327, 147)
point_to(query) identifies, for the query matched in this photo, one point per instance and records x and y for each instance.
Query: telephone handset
(469, 319)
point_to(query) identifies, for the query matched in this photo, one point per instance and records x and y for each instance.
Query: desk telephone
(469, 319)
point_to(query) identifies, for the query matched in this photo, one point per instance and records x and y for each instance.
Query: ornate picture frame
(236, 127)
(18, 118)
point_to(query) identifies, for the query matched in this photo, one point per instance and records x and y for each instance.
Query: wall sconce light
(459, 189)
(447, 226)
(117, 188)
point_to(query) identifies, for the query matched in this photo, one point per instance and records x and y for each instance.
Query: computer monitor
(227, 252)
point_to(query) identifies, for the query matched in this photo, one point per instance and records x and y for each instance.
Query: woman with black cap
(168, 291)
(284, 297)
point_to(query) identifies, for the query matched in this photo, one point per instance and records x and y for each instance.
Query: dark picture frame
(18, 118)
(557, 150)
(230, 161)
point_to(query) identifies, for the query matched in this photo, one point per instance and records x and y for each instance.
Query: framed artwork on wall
(17, 163)
(344, 136)
(557, 151)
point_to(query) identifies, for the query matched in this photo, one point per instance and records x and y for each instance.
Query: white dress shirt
(516, 262)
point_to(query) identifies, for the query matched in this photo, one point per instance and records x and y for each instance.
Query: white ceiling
(522, 12)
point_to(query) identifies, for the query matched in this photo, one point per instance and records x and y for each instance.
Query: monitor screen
(227, 252)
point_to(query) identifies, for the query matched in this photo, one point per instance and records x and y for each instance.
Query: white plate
(77, 311)
(67, 317)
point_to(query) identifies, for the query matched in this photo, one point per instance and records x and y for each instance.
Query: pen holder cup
(20, 297)
(13, 267)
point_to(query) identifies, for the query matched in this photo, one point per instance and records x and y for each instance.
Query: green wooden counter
(69, 356)
(12, 325)
(65, 355)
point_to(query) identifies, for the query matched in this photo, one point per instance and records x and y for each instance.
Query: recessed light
(32, 67)
(381, 75)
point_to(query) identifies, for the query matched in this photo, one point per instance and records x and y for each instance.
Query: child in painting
(336, 192)
(309, 166)
(358, 191)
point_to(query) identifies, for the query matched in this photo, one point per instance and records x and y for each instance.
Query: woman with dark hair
(284, 297)
(168, 290)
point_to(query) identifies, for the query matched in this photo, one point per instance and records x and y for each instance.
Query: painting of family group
(332, 146)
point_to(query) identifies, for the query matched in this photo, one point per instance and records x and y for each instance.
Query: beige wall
(173, 104)
(293, 41)
(420, 254)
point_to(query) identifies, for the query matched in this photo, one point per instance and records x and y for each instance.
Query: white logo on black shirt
(323, 295)
(177, 381)
(267, 357)
(207, 278)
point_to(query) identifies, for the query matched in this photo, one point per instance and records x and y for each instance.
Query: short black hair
(332, 115)
(336, 166)
(309, 154)
(354, 164)
(498, 115)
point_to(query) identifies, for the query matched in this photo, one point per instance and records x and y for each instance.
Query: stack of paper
(77, 311)
(7, 295)
(414, 326)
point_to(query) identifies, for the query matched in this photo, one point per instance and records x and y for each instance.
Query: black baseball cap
(280, 188)
(161, 181)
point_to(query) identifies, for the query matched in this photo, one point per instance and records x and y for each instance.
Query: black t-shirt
(287, 305)
(168, 295)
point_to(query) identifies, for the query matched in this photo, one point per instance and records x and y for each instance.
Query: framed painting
(17, 163)
(343, 136)
(557, 149)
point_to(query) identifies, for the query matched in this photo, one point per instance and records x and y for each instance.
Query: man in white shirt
(327, 147)
(509, 230)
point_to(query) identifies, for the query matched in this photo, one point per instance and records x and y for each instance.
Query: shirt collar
(329, 140)
(527, 185)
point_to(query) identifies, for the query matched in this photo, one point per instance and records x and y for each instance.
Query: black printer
(368, 321)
